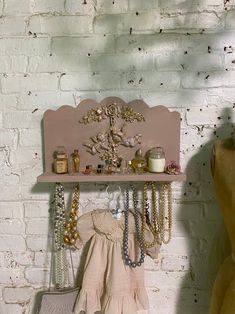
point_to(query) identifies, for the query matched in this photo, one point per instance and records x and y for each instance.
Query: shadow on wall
(175, 61)
(208, 244)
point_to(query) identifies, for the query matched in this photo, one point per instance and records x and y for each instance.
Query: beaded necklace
(157, 223)
(61, 264)
(126, 256)
(71, 232)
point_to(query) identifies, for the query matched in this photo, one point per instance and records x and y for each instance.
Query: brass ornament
(106, 142)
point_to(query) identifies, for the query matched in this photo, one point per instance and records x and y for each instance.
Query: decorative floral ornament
(172, 168)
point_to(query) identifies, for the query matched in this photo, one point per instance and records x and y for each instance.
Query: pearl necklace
(61, 264)
(127, 259)
(157, 223)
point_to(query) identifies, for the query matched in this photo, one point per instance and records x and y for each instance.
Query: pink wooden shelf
(157, 177)
(62, 128)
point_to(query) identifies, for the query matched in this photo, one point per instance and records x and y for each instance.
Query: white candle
(156, 164)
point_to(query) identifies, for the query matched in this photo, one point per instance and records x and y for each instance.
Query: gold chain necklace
(157, 222)
(153, 225)
(71, 233)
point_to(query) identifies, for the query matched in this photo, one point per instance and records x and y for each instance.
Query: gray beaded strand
(126, 256)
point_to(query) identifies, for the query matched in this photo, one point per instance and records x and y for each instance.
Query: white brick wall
(53, 52)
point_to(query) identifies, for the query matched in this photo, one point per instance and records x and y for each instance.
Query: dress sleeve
(85, 229)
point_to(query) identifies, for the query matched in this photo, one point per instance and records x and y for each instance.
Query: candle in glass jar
(156, 160)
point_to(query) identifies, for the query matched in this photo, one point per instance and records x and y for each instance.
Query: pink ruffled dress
(109, 286)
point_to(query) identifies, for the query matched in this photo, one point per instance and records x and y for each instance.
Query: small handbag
(59, 301)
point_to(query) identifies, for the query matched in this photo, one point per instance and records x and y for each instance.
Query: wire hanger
(117, 212)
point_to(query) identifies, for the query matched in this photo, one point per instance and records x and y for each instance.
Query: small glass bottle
(60, 164)
(138, 163)
(156, 160)
(76, 160)
(108, 167)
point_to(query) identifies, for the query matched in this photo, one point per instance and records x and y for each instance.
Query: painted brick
(175, 263)
(229, 62)
(42, 259)
(87, 45)
(122, 23)
(11, 227)
(79, 7)
(10, 308)
(11, 7)
(13, 64)
(44, 100)
(37, 243)
(207, 116)
(9, 192)
(230, 20)
(206, 43)
(1, 7)
(59, 63)
(178, 6)
(30, 137)
(36, 210)
(1, 119)
(12, 26)
(90, 81)
(8, 138)
(192, 62)
(36, 226)
(148, 43)
(209, 79)
(40, 82)
(103, 6)
(20, 119)
(140, 5)
(164, 279)
(150, 80)
(60, 25)
(8, 102)
(122, 62)
(43, 6)
(17, 260)
(24, 46)
(12, 243)
(37, 276)
(11, 210)
(17, 295)
(41, 195)
(191, 21)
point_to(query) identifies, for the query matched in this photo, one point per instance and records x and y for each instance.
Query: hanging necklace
(127, 259)
(71, 232)
(157, 223)
(153, 223)
(165, 194)
(61, 265)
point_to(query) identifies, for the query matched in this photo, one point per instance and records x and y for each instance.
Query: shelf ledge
(158, 177)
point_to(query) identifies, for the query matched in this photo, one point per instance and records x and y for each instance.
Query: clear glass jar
(60, 164)
(156, 160)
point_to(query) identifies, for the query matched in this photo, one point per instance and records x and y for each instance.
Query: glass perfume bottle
(156, 160)
(60, 164)
(76, 160)
(139, 163)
